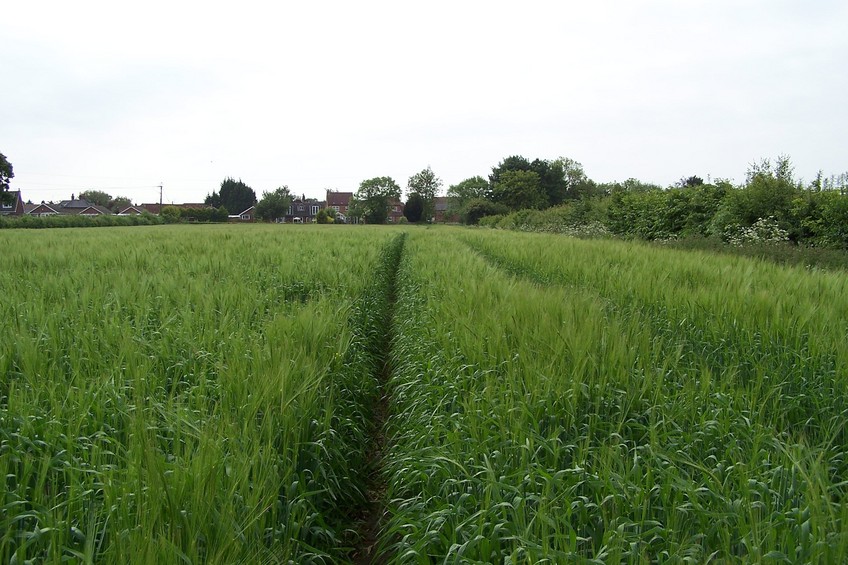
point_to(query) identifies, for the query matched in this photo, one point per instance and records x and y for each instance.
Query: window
(336, 208)
(314, 210)
(7, 206)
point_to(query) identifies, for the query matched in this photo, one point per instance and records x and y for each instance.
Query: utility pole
(160, 197)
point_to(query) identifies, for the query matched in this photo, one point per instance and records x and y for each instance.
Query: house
(71, 207)
(441, 206)
(44, 210)
(131, 211)
(395, 210)
(248, 215)
(340, 202)
(15, 205)
(303, 210)
(80, 207)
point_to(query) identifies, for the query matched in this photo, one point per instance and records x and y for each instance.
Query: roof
(339, 198)
(441, 203)
(15, 207)
(78, 203)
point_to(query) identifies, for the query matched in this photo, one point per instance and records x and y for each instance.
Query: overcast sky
(316, 95)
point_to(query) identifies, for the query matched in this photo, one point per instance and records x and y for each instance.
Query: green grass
(566, 400)
(178, 394)
(205, 394)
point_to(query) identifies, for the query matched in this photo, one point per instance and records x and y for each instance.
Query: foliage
(171, 214)
(119, 203)
(764, 230)
(822, 218)
(175, 214)
(7, 173)
(572, 182)
(274, 204)
(468, 189)
(233, 195)
(78, 221)
(580, 218)
(326, 216)
(426, 185)
(413, 210)
(104, 199)
(97, 197)
(517, 189)
(478, 208)
(374, 196)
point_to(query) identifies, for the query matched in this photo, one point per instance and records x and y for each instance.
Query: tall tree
(119, 203)
(6, 174)
(460, 194)
(468, 189)
(374, 196)
(274, 204)
(414, 208)
(519, 190)
(512, 163)
(233, 195)
(96, 197)
(551, 181)
(426, 184)
(574, 182)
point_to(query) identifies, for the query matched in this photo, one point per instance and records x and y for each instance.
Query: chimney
(72, 197)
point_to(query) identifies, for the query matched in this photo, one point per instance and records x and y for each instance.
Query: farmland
(209, 394)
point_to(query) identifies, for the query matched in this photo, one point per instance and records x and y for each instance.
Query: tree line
(770, 205)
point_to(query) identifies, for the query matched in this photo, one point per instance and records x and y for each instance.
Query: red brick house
(442, 212)
(340, 202)
(72, 207)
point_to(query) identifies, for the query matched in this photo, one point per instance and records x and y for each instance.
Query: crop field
(260, 394)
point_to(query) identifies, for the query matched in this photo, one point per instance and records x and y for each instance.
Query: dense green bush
(61, 221)
(478, 208)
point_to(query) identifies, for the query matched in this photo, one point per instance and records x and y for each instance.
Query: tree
(374, 196)
(96, 197)
(559, 180)
(326, 216)
(574, 182)
(519, 189)
(690, 182)
(233, 195)
(463, 192)
(468, 189)
(513, 163)
(356, 210)
(478, 208)
(274, 204)
(413, 210)
(427, 185)
(119, 203)
(6, 174)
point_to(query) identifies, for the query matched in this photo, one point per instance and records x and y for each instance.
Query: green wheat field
(212, 394)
